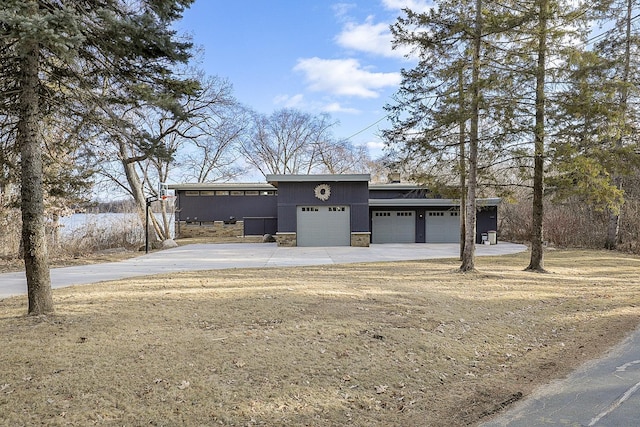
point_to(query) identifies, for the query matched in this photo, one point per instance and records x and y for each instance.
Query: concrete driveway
(242, 255)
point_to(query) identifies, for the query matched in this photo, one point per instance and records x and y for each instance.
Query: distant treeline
(114, 206)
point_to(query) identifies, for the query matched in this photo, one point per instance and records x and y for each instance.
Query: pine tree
(55, 55)
(620, 47)
(445, 112)
(535, 49)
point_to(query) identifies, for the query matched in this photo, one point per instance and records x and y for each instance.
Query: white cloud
(375, 145)
(299, 102)
(288, 101)
(336, 107)
(344, 77)
(419, 6)
(369, 37)
(341, 10)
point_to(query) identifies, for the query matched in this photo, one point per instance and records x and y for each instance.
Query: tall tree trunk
(55, 230)
(613, 229)
(35, 256)
(468, 254)
(137, 190)
(462, 163)
(537, 253)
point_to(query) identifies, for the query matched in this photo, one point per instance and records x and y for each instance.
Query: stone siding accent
(209, 229)
(287, 239)
(362, 240)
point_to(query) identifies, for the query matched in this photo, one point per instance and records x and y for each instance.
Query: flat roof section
(396, 186)
(387, 203)
(275, 179)
(223, 186)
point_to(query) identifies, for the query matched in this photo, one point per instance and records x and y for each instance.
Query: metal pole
(146, 223)
(146, 228)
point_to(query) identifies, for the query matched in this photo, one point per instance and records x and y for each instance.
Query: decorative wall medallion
(322, 192)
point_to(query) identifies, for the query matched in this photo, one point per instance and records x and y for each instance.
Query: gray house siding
(486, 220)
(259, 226)
(294, 194)
(415, 193)
(206, 208)
(275, 208)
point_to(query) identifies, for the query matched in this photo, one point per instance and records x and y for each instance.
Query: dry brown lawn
(387, 344)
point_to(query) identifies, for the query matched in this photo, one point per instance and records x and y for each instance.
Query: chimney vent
(394, 177)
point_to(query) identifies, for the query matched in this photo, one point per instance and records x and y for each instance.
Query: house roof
(223, 186)
(428, 202)
(275, 179)
(396, 186)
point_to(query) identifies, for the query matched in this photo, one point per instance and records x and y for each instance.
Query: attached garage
(323, 226)
(393, 226)
(442, 226)
(333, 210)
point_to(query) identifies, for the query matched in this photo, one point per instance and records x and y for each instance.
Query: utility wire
(370, 126)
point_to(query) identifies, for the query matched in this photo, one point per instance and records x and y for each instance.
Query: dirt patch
(406, 343)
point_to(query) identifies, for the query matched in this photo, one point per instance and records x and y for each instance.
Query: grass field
(388, 344)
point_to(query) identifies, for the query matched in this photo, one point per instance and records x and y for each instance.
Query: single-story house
(332, 210)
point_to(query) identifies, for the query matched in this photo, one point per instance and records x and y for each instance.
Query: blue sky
(313, 55)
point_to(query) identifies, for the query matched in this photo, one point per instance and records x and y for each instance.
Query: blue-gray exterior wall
(400, 194)
(259, 226)
(294, 194)
(221, 208)
(486, 219)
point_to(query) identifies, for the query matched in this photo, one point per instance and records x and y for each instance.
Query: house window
(309, 209)
(207, 193)
(251, 193)
(237, 193)
(404, 213)
(268, 193)
(336, 208)
(222, 193)
(191, 193)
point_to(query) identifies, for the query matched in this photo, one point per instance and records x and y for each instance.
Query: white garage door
(393, 227)
(442, 227)
(323, 226)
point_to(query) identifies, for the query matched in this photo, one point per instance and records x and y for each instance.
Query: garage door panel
(323, 226)
(393, 227)
(442, 227)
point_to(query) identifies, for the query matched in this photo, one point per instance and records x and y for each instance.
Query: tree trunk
(462, 163)
(613, 230)
(35, 256)
(55, 230)
(613, 226)
(137, 190)
(536, 262)
(469, 252)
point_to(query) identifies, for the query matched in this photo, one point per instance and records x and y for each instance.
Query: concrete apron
(244, 255)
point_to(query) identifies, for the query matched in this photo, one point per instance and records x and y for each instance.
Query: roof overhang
(222, 186)
(396, 186)
(387, 203)
(275, 179)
